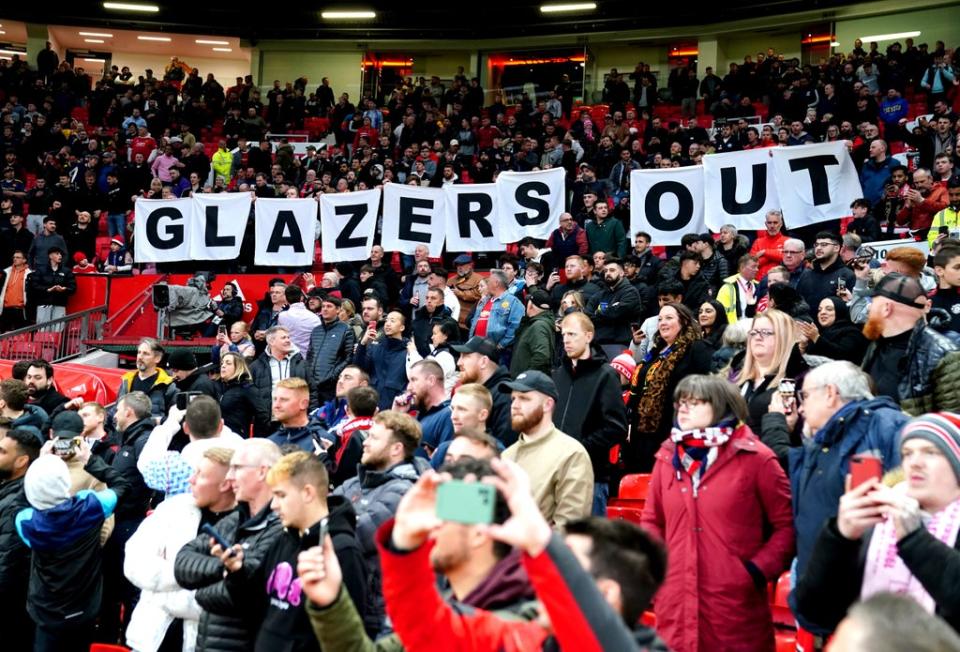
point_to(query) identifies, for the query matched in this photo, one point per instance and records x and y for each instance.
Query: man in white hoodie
(166, 611)
(169, 471)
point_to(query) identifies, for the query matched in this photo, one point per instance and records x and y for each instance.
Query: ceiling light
(94, 60)
(336, 14)
(2, 32)
(201, 41)
(12, 52)
(131, 6)
(222, 49)
(569, 6)
(889, 37)
(93, 40)
(97, 34)
(161, 39)
(834, 44)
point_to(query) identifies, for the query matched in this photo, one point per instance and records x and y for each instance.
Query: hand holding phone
(212, 532)
(863, 468)
(470, 503)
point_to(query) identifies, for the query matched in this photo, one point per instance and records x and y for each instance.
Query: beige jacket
(561, 476)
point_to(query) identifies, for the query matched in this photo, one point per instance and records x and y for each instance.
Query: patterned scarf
(657, 368)
(885, 571)
(697, 449)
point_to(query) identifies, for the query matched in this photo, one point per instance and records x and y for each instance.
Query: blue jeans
(117, 225)
(601, 492)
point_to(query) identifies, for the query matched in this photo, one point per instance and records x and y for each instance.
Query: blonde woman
(237, 341)
(240, 403)
(348, 315)
(771, 356)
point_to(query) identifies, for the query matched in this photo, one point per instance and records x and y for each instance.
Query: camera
(183, 399)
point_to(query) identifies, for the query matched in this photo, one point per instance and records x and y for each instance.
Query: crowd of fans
(288, 495)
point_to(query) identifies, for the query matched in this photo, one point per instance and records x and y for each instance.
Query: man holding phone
(844, 420)
(299, 483)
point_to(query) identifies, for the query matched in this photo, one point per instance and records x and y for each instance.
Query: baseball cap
(532, 381)
(477, 344)
(539, 298)
(67, 424)
(900, 288)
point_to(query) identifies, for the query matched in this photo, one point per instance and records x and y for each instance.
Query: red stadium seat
(625, 510)
(635, 486)
(782, 616)
(786, 640)
(106, 647)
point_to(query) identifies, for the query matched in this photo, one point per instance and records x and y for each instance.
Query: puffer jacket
(148, 564)
(331, 349)
(375, 496)
(612, 309)
(224, 625)
(931, 372)
(536, 340)
(137, 500)
(161, 394)
(33, 415)
(14, 553)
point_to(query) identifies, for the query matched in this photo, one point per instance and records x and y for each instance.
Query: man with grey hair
(887, 622)
(134, 423)
(278, 361)
(149, 378)
(842, 419)
(498, 316)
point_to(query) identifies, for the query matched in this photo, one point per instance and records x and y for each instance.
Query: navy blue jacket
(386, 362)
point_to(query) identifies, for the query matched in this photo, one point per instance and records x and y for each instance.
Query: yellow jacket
(729, 297)
(222, 162)
(948, 217)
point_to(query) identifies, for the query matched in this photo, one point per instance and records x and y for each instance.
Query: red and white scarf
(690, 444)
(885, 570)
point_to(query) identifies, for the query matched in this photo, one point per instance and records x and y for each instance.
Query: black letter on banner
(728, 191)
(408, 218)
(651, 207)
(816, 167)
(484, 203)
(522, 195)
(173, 231)
(210, 236)
(286, 222)
(356, 212)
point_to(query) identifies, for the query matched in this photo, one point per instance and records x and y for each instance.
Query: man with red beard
(907, 359)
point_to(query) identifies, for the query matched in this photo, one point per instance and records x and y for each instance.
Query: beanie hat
(117, 241)
(79, 256)
(47, 483)
(624, 364)
(182, 360)
(942, 429)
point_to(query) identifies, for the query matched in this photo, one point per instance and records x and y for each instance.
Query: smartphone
(788, 393)
(864, 467)
(208, 529)
(841, 284)
(944, 230)
(65, 446)
(222, 328)
(470, 503)
(634, 325)
(183, 399)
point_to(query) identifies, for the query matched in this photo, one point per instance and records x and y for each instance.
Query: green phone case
(465, 502)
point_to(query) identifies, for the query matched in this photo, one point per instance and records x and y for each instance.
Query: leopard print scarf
(659, 365)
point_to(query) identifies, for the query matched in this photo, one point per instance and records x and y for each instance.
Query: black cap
(532, 381)
(539, 298)
(182, 360)
(900, 288)
(67, 424)
(58, 249)
(481, 345)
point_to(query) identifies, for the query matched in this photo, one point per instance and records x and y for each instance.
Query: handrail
(54, 340)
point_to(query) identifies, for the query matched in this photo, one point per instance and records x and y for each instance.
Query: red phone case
(864, 467)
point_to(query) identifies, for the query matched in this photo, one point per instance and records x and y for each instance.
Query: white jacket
(148, 564)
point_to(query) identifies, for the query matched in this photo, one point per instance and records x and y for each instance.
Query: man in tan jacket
(466, 287)
(561, 475)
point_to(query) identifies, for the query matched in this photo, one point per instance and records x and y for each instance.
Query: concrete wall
(343, 69)
(733, 47)
(225, 70)
(933, 25)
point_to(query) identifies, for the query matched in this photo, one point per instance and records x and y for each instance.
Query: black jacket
(50, 400)
(612, 310)
(842, 340)
(834, 575)
(223, 624)
(585, 288)
(650, 265)
(242, 407)
(14, 554)
(198, 381)
(137, 500)
(267, 588)
(498, 421)
(331, 349)
(44, 278)
(263, 381)
(816, 284)
(422, 327)
(591, 408)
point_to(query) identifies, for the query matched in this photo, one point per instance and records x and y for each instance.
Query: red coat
(742, 513)
(769, 249)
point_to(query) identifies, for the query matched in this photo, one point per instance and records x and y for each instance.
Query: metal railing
(55, 340)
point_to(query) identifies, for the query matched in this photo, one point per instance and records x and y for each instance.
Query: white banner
(217, 227)
(666, 203)
(285, 232)
(348, 222)
(883, 247)
(816, 182)
(412, 215)
(160, 230)
(530, 203)
(473, 223)
(739, 189)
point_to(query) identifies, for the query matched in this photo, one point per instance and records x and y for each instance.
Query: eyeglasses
(688, 402)
(761, 333)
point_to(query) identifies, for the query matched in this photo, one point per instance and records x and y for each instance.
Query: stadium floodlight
(345, 14)
(889, 37)
(131, 6)
(568, 7)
